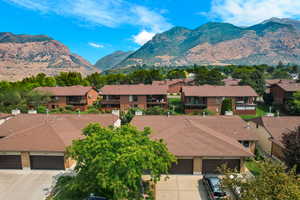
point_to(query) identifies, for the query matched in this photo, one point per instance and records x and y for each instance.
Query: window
(245, 143)
(133, 98)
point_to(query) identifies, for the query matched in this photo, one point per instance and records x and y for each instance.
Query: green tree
(272, 183)
(253, 78)
(294, 104)
(226, 105)
(111, 161)
(291, 141)
(70, 78)
(35, 99)
(206, 76)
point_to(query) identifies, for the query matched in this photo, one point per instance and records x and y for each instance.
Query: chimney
(78, 113)
(168, 114)
(248, 125)
(203, 114)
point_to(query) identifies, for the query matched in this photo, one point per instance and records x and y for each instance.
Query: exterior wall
(176, 87)
(263, 137)
(125, 104)
(197, 170)
(25, 159)
(278, 94)
(213, 104)
(277, 151)
(91, 97)
(60, 102)
(141, 103)
(242, 165)
(69, 163)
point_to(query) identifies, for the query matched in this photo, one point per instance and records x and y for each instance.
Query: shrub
(208, 112)
(93, 111)
(41, 109)
(226, 106)
(69, 107)
(156, 110)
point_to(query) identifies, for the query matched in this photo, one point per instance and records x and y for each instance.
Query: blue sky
(94, 28)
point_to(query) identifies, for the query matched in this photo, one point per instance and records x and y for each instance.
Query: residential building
(39, 141)
(231, 81)
(270, 131)
(78, 96)
(202, 144)
(198, 98)
(174, 85)
(124, 97)
(270, 82)
(282, 92)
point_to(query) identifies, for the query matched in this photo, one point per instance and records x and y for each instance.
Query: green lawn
(253, 167)
(261, 110)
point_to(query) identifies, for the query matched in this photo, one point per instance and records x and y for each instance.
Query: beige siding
(263, 138)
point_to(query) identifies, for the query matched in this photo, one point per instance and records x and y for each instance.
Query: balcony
(76, 102)
(156, 101)
(245, 106)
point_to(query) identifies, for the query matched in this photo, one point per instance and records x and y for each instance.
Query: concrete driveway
(26, 184)
(181, 187)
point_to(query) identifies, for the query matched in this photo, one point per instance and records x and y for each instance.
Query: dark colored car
(213, 187)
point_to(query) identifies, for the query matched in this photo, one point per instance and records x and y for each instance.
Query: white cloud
(93, 44)
(110, 13)
(143, 37)
(249, 12)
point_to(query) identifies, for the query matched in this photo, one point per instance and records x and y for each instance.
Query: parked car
(213, 187)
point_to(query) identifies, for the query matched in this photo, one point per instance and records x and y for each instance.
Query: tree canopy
(272, 183)
(291, 141)
(111, 161)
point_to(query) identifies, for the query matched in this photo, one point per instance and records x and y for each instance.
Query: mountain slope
(111, 60)
(269, 42)
(26, 55)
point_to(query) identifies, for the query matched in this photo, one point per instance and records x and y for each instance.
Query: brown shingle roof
(276, 81)
(197, 136)
(290, 87)
(219, 91)
(277, 126)
(77, 90)
(52, 133)
(134, 90)
(231, 81)
(4, 115)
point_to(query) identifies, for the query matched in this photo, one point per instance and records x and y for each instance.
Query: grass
(253, 167)
(261, 110)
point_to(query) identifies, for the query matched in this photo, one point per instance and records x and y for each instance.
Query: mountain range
(26, 55)
(269, 42)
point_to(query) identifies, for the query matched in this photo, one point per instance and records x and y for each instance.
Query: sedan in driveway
(213, 187)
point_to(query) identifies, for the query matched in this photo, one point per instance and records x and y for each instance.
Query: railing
(156, 101)
(245, 106)
(77, 102)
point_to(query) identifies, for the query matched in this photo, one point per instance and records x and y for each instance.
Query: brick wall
(278, 94)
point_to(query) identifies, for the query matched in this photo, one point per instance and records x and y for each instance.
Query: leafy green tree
(253, 78)
(176, 73)
(70, 78)
(272, 183)
(111, 161)
(206, 76)
(294, 104)
(291, 141)
(226, 105)
(35, 99)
